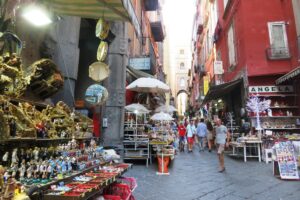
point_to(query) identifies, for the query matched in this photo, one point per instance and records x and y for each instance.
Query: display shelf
(283, 107)
(281, 128)
(41, 139)
(276, 95)
(92, 192)
(252, 117)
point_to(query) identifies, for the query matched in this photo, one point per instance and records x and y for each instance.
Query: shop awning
(111, 10)
(137, 73)
(218, 91)
(292, 74)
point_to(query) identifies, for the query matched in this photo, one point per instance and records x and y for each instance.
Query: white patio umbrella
(166, 109)
(162, 117)
(148, 85)
(136, 107)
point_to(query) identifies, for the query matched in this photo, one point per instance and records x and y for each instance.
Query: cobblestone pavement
(194, 176)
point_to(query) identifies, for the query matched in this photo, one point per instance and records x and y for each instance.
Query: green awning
(111, 10)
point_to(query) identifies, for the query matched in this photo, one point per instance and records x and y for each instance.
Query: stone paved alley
(195, 176)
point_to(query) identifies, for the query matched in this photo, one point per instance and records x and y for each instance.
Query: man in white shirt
(222, 141)
(191, 131)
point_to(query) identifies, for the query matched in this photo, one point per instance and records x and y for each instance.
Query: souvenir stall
(147, 85)
(161, 139)
(136, 140)
(278, 123)
(48, 151)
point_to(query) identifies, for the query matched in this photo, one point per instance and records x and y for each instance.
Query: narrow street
(195, 176)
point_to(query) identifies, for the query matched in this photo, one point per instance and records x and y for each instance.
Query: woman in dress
(210, 136)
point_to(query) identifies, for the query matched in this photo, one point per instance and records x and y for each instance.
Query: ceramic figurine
(63, 166)
(5, 159)
(22, 156)
(14, 156)
(29, 170)
(36, 170)
(49, 170)
(22, 170)
(14, 169)
(12, 127)
(40, 128)
(36, 153)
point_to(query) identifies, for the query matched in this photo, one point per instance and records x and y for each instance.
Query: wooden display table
(247, 144)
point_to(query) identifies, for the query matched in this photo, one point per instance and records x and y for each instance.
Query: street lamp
(36, 15)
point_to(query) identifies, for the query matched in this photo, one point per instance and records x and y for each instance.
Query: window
(182, 82)
(181, 51)
(231, 47)
(278, 39)
(182, 65)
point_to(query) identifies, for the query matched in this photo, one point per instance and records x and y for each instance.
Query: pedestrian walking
(201, 134)
(210, 135)
(222, 141)
(191, 131)
(182, 134)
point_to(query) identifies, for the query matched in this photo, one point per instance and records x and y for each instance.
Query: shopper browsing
(201, 134)
(222, 141)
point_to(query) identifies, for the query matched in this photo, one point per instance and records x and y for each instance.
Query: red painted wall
(251, 19)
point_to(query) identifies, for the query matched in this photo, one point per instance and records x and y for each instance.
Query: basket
(119, 189)
(111, 197)
(130, 181)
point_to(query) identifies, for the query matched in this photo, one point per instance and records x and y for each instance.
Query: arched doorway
(181, 102)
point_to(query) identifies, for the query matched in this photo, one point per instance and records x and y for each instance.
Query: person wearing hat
(191, 131)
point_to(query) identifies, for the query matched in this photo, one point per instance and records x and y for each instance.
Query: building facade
(239, 44)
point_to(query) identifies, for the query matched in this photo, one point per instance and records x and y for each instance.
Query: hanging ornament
(98, 71)
(102, 29)
(102, 51)
(96, 94)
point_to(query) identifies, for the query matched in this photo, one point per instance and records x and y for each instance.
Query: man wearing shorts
(222, 141)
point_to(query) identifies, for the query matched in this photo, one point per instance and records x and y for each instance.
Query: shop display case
(280, 122)
(136, 140)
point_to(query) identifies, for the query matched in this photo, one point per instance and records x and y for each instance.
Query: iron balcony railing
(278, 53)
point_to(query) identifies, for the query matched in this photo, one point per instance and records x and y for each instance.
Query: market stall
(161, 138)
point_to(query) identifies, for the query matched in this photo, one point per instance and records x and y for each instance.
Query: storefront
(48, 151)
(225, 101)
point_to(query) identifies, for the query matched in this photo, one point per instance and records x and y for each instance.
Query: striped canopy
(109, 9)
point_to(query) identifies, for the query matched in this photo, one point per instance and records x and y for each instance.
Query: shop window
(278, 40)
(182, 65)
(231, 47)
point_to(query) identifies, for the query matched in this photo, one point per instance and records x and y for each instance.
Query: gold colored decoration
(102, 29)
(98, 71)
(102, 51)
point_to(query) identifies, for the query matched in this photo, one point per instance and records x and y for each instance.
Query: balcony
(157, 31)
(151, 5)
(278, 53)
